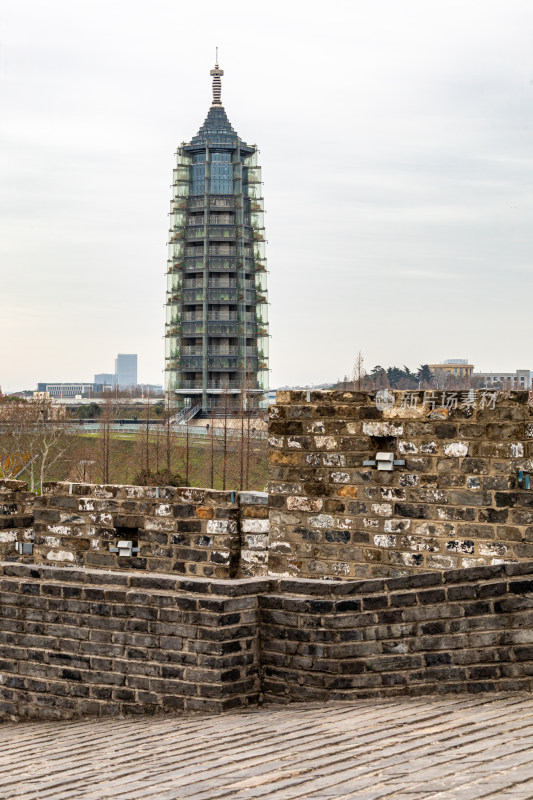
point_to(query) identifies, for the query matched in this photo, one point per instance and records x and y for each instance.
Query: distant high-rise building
(217, 325)
(105, 379)
(126, 370)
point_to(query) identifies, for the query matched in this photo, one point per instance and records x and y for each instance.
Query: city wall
(346, 581)
(172, 530)
(75, 641)
(453, 498)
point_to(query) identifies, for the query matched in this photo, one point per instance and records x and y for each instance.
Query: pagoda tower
(216, 329)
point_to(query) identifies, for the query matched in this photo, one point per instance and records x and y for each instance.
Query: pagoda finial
(217, 83)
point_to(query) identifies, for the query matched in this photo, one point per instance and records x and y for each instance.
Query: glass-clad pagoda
(217, 323)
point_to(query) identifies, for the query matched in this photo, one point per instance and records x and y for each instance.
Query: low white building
(521, 379)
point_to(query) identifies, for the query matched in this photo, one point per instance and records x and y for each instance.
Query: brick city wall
(16, 516)
(177, 530)
(78, 641)
(456, 501)
(467, 630)
(75, 641)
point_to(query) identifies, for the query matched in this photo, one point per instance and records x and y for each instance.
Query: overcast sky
(396, 145)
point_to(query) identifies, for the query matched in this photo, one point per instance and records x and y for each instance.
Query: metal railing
(187, 413)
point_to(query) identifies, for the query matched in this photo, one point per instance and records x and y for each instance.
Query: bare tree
(212, 460)
(33, 438)
(105, 437)
(248, 441)
(241, 443)
(441, 379)
(187, 454)
(54, 441)
(16, 418)
(168, 430)
(359, 372)
(147, 439)
(225, 440)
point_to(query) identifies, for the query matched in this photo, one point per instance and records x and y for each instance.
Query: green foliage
(12, 398)
(159, 478)
(92, 411)
(424, 373)
(397, 377)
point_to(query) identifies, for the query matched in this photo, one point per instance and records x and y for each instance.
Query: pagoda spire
(217, 83)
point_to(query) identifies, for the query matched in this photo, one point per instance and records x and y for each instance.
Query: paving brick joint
(452, 748)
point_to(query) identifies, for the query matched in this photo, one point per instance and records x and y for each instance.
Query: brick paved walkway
(406, 749)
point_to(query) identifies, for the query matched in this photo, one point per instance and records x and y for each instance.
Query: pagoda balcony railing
(193, 385)
(221, 218)
(196, 202)
(216, 263)
(222, 295)
(231, 385)
(222, 202)
(222, 250)
(216, 352)
(195, 232)
(219, 364)
(191, 264)
(222, 283)
(199, 231)
(213, 283)
(223, 351)
(216, 316)
(221, 262)
(192, 328)
(193, 295)
(222, 232)
(213, 384)
(191, 363)
(225, 329)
